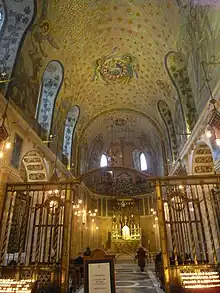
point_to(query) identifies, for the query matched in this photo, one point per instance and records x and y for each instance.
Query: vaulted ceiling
(95, 34)
(112, 52)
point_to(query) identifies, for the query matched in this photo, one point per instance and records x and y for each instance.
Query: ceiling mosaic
(112, 52)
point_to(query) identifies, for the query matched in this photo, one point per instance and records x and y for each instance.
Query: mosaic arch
(13, 28)
(177, 70)
(202, 160)
(35, 167)
(70, 125)
(166, 115)
(50, 86)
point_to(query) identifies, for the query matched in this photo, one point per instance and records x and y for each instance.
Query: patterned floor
(130, 280)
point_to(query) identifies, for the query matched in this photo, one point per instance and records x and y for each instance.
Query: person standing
(141, 254)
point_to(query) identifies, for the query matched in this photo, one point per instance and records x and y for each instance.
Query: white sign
(99, 278)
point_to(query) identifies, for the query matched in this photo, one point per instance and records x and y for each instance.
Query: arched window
(143, 162)
(51, 82)
(70, 124)
(103, 161)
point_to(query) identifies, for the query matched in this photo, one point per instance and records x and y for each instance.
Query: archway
(34, 166)
(202, 162)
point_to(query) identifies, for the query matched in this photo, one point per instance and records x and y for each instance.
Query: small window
(103, 161)
(143, 162)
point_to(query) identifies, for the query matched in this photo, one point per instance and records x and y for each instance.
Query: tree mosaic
(70, 125)
(12, 28)
(32, 58)
(51, 82)
(2, 15)
(177, 69)
(166, 115)
(199, 40)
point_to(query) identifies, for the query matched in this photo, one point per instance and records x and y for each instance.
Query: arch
(166, 115)
(143, 162)
(103, 161)
(51, 83)
(202, 162)
(34, 167)
(70, 125)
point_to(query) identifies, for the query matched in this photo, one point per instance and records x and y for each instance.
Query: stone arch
(202, 162)
(20, 15)
(166, 115)
(51, 83)
(34, 166)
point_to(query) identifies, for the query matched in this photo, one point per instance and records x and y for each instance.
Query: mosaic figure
(116, 69)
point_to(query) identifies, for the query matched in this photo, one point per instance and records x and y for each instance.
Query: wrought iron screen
(32, 231)
(192, 219)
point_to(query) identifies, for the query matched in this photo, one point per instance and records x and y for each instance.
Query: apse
(123, 138)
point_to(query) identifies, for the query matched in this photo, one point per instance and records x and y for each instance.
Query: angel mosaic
(116, 69)
(41, 32)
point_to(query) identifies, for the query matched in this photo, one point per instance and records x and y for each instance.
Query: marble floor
(129, 279)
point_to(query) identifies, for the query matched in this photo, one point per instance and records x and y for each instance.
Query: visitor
(141, 254)
(87, 252)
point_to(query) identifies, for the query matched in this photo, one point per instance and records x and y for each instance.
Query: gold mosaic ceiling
(112, 30)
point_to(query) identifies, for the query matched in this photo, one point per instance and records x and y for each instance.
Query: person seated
(12, 263)
(87, 252)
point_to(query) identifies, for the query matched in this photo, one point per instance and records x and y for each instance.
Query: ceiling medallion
(113, 69)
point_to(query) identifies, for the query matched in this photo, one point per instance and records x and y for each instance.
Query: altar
(126, 231)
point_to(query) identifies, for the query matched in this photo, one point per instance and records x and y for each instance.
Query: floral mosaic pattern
(2, 15)
(70, 125)
(168, 121)
(19, 17)
(177, 70)
(51, 83)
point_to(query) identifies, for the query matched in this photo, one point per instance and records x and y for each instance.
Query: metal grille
(191, 219)
(33, 227)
